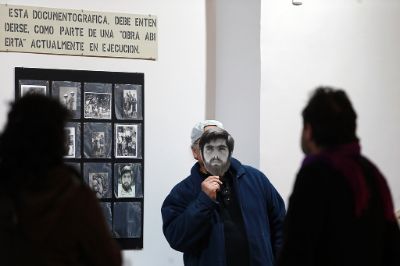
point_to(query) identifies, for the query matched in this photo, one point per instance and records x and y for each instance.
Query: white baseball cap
(198, 129)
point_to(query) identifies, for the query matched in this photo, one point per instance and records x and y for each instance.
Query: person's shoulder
(188, 183)
(189, 186)
(318, 173)
(244, 168)
(316, 166)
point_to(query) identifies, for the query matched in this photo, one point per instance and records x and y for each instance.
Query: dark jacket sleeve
(187, 219)
(276, 215)
(304, 220)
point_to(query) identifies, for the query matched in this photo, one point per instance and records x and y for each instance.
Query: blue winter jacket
(192, 224)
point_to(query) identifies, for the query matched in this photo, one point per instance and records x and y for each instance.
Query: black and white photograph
(127, 219)
(70, 135)
(104, 139)
(69, 94)
(98, 145)
(127, 180)
(97, 105)
(99, 183)
(126, 141)
(98, 177)
(33, 89)
(73, 140)
(97, 140)
(128, 101)
(68, 97)
(129, 104)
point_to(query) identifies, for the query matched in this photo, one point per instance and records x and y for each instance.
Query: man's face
(216, 157)
(126, 180)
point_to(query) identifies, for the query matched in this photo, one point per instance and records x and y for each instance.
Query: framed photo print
(97, 140)
(97, 101)
(128, 101)
(73, 140)
(69, 94)
(28, 86)
(33, 89)
(128, 180)
(98, 177)
(70, 134)
(126, 141)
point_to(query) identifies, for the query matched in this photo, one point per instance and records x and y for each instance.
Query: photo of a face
(98, 182)
(216, 157)
(126, 184)
(68, 97)
(32, 89)
(70, 135)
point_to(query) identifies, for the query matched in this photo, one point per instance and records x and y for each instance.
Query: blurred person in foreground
(47, 215)
(340, 212)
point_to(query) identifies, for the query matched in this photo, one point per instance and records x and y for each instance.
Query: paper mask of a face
(216, 157)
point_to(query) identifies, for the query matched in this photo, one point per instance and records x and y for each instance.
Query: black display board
(105, 138)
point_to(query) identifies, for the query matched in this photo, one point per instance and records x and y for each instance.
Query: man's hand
(211, 185)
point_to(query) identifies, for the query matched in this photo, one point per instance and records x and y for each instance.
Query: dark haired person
(126, 186)
(231, 215)
(340, 212)
(47, 215)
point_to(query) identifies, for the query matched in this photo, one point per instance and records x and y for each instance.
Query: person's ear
(307, 132)
(195, 154)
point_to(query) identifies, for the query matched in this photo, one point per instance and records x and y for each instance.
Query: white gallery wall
(174, 100)
(237, 74)
(352, 45)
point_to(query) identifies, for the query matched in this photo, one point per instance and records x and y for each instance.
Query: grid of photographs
(104, 139)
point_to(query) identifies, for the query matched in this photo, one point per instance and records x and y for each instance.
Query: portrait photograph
(99, 183)
(70, 135)
(33, 89)
(125, 141)
(97, 105)
(127, 222)
(68, 97)
(128, 180)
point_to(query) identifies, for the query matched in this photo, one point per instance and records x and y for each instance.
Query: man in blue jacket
(230, 215)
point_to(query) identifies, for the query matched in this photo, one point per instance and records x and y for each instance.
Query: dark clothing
(60, 223)
(192, 221)
(337, 214)
(236, 244)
